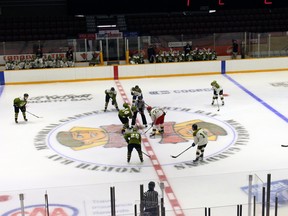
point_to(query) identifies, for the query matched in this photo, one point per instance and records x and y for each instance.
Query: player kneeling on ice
(124, 116)
(157, 116)
(20, 104)
(217, 90)
(200, 139)
(134, 141)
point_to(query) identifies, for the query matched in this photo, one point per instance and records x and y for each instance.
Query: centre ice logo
(109, 136)
(92, 140)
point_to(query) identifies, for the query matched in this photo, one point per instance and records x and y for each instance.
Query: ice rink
(245, 138)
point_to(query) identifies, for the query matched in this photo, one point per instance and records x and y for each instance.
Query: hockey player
(217, 90)
(157, 116)
(200, 139)
(139, 106)
(20, 104)
(136, 92)
(124, 116)
(110, 94)
(134, 141)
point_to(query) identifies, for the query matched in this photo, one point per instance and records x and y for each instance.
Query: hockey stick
(148, 129)
(146, 154)
(34, 114)
(46, 204)
(146, 104)
(181, 152)
(218, 105)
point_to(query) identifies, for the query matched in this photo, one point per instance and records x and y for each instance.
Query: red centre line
(153, 157)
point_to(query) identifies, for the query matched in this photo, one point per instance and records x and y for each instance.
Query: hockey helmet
(149, 108)
(213, 83)
(112, 89)
(26, 95)
(140, 98)
(135, 129)
(136, 86)
(194, 127)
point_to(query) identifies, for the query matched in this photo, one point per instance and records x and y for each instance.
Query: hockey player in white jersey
(157, 116)
(200, 139)
(217, 90)
(136, 92)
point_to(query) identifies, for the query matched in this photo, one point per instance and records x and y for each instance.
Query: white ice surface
(23, 167)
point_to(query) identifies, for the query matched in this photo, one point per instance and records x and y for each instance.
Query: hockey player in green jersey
(134, 141)
(124, 116)
(20, 104)
(110, 94)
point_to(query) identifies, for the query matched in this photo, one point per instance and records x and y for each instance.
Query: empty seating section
(249, 20)
(66, 27)
(41, 28)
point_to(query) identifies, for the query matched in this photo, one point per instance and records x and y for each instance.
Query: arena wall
(111, 72)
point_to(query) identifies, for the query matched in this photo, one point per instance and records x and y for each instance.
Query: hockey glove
(193, 144)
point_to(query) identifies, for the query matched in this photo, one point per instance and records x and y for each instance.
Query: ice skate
(196, 160)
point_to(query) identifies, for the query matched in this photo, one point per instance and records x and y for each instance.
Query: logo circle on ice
(95, 139)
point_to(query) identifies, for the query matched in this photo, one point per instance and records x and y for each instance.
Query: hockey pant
(17, 109)
(215, 95)
(200, 151)
(130, 148)
(114, 102)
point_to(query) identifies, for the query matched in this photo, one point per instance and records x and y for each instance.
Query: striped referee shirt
(150, 199)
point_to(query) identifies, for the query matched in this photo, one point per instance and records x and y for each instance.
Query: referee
(150, 201)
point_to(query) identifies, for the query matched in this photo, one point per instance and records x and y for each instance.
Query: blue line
(257, 98)
(1, 90)
(2, 78)
(223, 67)
(2, 82)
